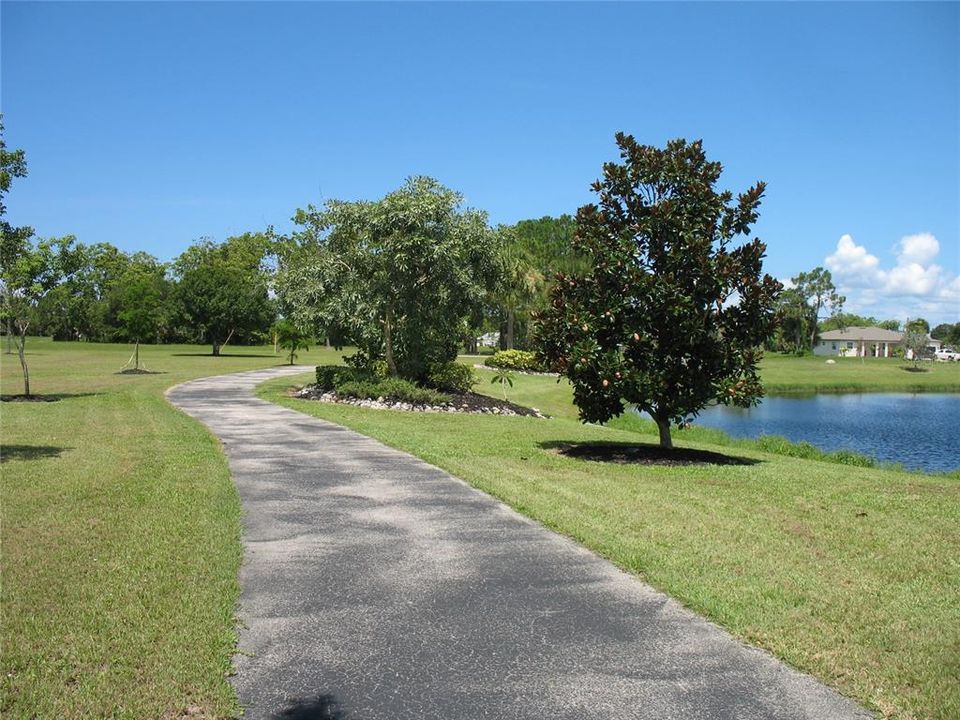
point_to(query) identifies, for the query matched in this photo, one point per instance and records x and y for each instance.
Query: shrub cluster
(366, 385)
(451, 377)
(516, 360)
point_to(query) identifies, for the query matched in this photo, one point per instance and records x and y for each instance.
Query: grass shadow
(139, 371)
(913, 369)
(30, 452)
(323, 707)
(226, 355)
(49, 397)
(624, 453)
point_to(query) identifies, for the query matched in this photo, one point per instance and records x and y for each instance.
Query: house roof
(867, 334)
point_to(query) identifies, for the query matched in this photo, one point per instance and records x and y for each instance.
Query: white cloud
(854, 263)
(919, 249)
(914, 284)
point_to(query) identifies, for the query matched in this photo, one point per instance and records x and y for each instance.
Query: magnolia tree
(399, 276)
(671, 314)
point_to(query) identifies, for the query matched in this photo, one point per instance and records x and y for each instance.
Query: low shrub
(329, 377)
(451, 377)
(516, 360)
(391, 389)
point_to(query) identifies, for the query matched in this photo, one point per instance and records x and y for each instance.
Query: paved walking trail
(376, 586)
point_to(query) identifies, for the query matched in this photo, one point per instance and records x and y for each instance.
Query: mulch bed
(463, 403)
(32, 398)
(140, 371)
(646, 454)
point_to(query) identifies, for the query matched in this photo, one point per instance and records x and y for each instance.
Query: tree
(224, 289)
(140, 296)
(920, 325)
(670, 315)
(948, 334)
(914, 342)
(291, 337)
(28, 273)
(399, 275)
(13, 240)
(817, 290)
(519, 286)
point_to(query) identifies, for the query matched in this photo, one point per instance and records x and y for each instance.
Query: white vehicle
(947, 354)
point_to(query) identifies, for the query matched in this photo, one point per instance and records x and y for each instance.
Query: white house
(858, 342)
(863, 342)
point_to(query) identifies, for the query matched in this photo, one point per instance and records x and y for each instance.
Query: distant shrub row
(516, 360)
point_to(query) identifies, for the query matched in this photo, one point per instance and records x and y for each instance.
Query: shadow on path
(323, 707)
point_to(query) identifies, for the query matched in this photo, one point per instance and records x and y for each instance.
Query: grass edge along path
(849, 574)
(120, 538)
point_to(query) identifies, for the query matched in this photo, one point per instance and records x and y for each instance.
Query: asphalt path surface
(376, 586)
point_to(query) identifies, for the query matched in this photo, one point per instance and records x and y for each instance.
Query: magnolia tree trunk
(216, 348)
(663, 425)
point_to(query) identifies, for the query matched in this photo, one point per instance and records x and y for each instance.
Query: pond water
(920, 431)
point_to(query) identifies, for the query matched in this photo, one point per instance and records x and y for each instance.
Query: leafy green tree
(914, 342)
(920, 325)
(889, 325)
(291, 337)
(671, 315)
(504, 377)
(13, 240)
(519, 285)
(28, 273)
(842, 320)
(399, 275)
(818, 292)
(948, 334)
(141, 295)
(224, 289)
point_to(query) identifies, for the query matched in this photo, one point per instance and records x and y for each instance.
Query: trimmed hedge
(516, 360)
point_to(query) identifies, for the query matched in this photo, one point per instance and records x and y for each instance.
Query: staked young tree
(670, 315)
(399, 276)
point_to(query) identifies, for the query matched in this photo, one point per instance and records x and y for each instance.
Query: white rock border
(310, 393)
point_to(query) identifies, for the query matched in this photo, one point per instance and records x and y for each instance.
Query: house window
(834, 346)
(849, 346)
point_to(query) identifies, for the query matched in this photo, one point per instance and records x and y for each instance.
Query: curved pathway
(376, 586)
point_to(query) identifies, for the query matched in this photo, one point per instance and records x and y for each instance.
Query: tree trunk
(9, 337)
(21, 342)
(136, 355)
(664, 427)
(388, 342)
(216, 348)
(510, 323)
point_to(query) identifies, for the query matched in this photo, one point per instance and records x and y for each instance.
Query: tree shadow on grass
(227, 355)
(322, 707)
(48, 397)
(914, 369)
(642, 454)
(29, 452)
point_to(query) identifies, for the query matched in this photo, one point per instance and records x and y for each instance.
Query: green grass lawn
(785, 374)
(120, 537)
(851, 574)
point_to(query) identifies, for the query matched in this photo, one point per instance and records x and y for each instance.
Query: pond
(920, 431)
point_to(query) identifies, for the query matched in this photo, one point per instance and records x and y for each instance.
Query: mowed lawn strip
(120, 538)
(848, 573)
(788, 374)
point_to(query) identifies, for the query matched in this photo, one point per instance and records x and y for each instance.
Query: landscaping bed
(455, 403)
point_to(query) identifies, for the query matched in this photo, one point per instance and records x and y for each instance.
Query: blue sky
(149, 125)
